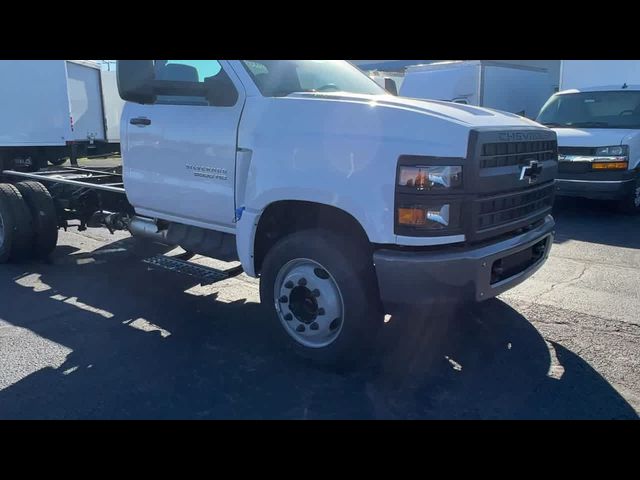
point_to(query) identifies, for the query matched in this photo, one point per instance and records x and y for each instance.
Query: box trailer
(500, 86)
(51, 110)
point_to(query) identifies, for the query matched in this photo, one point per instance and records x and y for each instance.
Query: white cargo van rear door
(85, 101)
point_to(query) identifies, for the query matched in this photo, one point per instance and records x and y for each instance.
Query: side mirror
(135, 80)
(221, 92)
(390, 86)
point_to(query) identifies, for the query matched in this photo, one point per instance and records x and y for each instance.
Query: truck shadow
(595, 221)
(143, 345)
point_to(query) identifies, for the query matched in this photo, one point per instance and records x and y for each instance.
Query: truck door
(180, 152)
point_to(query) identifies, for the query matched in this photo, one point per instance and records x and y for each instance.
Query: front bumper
(596, 185)
(454, 275)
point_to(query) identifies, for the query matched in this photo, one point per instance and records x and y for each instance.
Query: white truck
(502, 86)
(596, 116)
(347, 202)
(53, 110)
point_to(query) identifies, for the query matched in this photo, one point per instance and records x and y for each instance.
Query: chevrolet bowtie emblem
(531, 171)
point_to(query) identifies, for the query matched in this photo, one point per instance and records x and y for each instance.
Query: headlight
(614, 151)
(604, 158)
(429, 217)
(430, 177)
(611, 158)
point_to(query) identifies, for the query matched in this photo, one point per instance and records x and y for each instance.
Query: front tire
(321, 292)
(631, 203)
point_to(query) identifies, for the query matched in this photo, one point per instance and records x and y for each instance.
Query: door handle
(140, 121)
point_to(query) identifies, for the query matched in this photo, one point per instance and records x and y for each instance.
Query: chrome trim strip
(593, 181)
(428, 241)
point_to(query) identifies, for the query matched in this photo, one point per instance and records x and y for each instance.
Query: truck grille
(508, 196)
(504, 154)
(500, 210)
(577, 150)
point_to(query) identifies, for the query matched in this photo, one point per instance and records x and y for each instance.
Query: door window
(184, 82)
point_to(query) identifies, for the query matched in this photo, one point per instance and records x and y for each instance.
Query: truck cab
(598, 132)
(348, 203)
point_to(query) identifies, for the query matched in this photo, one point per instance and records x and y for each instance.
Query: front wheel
(322, 294)
(631, 203)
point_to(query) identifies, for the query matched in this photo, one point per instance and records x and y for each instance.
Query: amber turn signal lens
(411, 216)
(609, 166)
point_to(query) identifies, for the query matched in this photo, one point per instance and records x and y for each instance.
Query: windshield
(279, 78)
(616, 109)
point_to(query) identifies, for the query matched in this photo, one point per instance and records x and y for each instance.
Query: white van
(597, 118)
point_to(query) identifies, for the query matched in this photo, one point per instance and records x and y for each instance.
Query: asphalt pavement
(97, 333)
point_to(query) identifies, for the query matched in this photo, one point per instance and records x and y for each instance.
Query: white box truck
(347, 202)
(390, 81)
(501, 86)
(52, 110)
(596, 116)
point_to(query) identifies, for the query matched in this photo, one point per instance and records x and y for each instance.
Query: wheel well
(285, 217)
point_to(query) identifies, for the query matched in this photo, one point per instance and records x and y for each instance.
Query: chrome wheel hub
(309, 303)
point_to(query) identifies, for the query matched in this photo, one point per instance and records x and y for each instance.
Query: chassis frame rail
(106, 180)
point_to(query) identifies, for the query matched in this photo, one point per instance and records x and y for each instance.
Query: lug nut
(321, 311)
(300, 328)
(302, 282)
(316, 293)
(288, 317)
(314, 326)
(283, 299)
(289, 284)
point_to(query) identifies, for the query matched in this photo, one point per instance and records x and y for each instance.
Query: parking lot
(97, 333)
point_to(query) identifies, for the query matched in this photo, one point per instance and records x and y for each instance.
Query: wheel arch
(283, 217)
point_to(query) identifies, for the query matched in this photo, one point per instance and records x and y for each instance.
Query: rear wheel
(16, 231)
(321, 291)
(44, 216)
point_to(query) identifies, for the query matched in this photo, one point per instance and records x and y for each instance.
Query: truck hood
(594, 137)
(464, 115)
